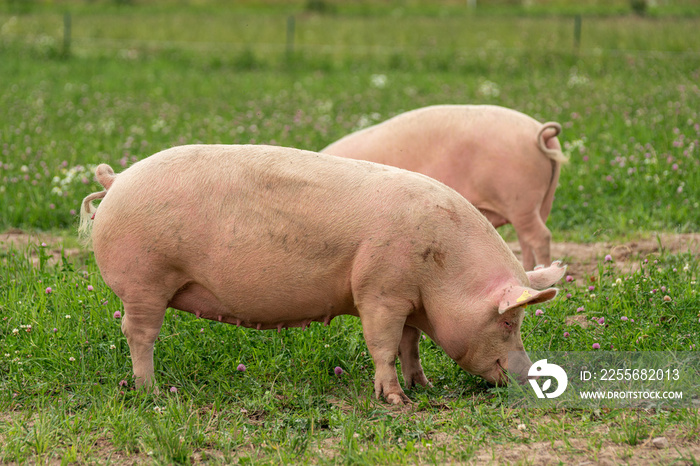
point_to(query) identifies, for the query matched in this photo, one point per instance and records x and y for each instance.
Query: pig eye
(508, 325)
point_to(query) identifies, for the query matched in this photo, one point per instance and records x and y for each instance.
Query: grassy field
(628, 100)
(139, 79)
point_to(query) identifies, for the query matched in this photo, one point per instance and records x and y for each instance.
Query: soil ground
(582, 259)
(577, 451)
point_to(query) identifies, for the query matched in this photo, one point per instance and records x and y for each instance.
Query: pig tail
(542, 138)
(105, 176)
(87, 214)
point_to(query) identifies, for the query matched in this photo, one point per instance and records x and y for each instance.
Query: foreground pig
(504, 162)
(270, 237)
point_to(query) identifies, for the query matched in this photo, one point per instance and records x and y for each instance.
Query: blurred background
(114, 81)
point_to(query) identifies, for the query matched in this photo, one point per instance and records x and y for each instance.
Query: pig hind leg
(141, 325)
(410, 358)
(383, 330)
(534, 238)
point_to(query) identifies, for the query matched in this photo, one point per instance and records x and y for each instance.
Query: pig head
(481, 338)
(270, 237)
(504, 162)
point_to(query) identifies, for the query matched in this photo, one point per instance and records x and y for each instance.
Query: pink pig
(269, 238)
(504, 162)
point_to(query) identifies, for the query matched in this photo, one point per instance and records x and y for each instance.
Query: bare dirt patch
(579, 452)
(582, 259)
(597, 446)
(52, 245)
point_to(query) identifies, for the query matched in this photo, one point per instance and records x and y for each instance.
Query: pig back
(463, 146)
(442, 140)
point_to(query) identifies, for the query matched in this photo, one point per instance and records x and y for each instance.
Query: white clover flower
(9, 27)
(576, 80)
(575, 145)
(378, 80)
(78, 172)
(366, 120)
(489, 89)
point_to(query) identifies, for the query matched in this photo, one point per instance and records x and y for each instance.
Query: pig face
(500, 337)
(497, 352)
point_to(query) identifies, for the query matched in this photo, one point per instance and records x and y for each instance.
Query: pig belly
(198, 300)
(250, 281)
(496, 219)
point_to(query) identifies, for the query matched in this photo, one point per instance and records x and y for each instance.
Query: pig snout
(517, 367)
(513, 367)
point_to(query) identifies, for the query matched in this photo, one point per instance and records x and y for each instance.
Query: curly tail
(549, 131)
(105, 176)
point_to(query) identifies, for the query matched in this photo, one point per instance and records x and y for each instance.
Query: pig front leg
(383, 331)
(410, 358)
(141, 325)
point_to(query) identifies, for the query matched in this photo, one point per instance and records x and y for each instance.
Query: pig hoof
(420, 379)
(397, 399)
(423, 382)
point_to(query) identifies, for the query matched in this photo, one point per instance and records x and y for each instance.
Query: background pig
(269, 237)
(504, 162)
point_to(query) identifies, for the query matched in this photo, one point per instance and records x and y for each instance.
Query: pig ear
(542, 277)
(516, 296)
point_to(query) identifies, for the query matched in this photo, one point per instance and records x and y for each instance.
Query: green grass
(67, 393)
(134, 84)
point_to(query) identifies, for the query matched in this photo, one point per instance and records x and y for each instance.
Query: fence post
(577, 32)
(290, 36)
(66, 34)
